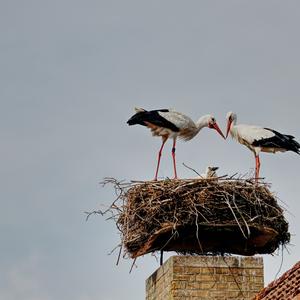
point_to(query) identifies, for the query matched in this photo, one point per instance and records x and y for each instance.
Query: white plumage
(250, 133)
(185, 123)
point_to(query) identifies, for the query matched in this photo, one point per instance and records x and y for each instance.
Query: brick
(208, 270)
(178, 284)
(179, 276)
(205, 277)
(193, 285)
(221, 286)
(207, 285)
(198, 293)
(181, 293)
(222, 271)
(179, 269)
(192, 270)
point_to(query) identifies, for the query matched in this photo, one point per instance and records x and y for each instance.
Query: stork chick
(210, 172)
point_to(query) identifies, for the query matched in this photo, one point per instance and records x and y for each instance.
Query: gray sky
(71, 73)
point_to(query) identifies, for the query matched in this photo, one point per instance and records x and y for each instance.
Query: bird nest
(198, 216)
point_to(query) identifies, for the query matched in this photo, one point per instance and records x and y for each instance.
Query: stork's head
(212, 169)
(212, 123)
(231, 120)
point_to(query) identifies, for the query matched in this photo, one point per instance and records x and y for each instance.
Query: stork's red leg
(159, 156)
(174, 159)
(257, 167)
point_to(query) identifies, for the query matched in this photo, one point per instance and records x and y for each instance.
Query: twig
(133, 263)
(248, 230)
(281, 263)
(192, 169)
(119, 255)
(236, 219)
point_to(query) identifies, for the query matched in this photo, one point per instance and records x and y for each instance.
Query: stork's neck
(195, 127)
(202, 122)
(233, 129)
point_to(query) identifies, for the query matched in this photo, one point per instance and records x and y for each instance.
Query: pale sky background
(71, 73)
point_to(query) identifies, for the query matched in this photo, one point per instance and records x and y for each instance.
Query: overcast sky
(71, 73)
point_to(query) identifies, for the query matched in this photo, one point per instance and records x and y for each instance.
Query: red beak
(228, 127)
(216, 127)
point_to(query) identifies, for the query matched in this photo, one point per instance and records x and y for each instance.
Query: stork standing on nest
(259, 139)
(171, 124)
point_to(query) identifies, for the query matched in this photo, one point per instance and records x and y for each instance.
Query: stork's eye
(213, 120)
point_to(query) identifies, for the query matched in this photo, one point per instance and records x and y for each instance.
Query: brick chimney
(206, 278)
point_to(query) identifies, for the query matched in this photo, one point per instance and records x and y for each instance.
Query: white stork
(171, 124)
(259, 139)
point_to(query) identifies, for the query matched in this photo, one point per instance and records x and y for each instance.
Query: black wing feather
(152, 117)
(279, 140)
